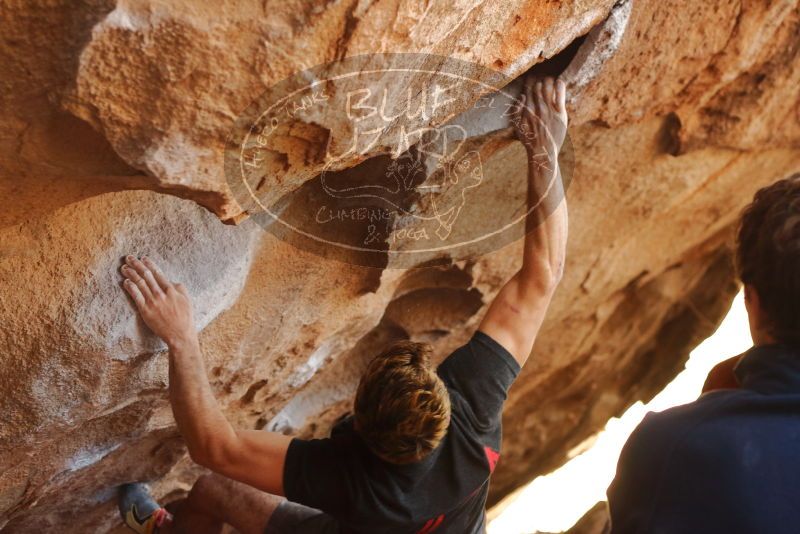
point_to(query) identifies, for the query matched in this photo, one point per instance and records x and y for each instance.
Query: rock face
(680, 111)
(594, 522)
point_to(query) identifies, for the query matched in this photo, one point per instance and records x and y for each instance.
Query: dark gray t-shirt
(447, 491)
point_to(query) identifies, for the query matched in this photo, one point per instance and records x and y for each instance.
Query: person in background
(730, 461)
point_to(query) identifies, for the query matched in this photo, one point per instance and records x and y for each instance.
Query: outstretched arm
(517, 313)
(253, 457)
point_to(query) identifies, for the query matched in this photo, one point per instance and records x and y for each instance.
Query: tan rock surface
(692, 107)
(594, 522)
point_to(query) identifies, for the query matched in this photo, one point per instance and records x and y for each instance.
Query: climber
(729, 461)
(418, 452)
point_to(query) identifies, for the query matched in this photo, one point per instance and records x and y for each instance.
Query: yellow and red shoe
(140, 512)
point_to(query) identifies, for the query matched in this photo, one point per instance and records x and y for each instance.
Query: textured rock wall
(680, 111)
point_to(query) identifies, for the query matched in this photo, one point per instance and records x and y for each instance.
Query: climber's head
(402, 408)
(768, 261)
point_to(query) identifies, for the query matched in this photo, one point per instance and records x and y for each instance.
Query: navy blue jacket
(726, 463)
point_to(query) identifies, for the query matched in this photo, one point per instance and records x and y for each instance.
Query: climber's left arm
(516, 315)
(253, 457)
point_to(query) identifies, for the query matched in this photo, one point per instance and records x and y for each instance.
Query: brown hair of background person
(768, 264)
(768, 256)
(402, 408)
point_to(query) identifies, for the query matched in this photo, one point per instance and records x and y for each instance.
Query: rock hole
(316, 219)
(557, 64)
(582, 60)
(248, 397)
(669, 136)
(428, 314)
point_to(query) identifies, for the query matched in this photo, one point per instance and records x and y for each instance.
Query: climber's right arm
(253, 457)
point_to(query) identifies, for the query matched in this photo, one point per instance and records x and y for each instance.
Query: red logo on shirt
(492, 457)
(431, 525)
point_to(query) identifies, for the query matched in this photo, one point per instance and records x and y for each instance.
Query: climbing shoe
(140, 512)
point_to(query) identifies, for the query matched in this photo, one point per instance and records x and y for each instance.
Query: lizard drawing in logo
(428, 182)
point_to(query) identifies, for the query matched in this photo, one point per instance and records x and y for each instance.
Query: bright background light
(555, 502)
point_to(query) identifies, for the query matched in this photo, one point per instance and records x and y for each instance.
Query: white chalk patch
(125, 20)
(191, 246)
(490, 113)
(600, 45)
(285, 422)
(103, 496)
(50, 378)
(303, 373)
(86, 457)
(175, 158)
(308, 405)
